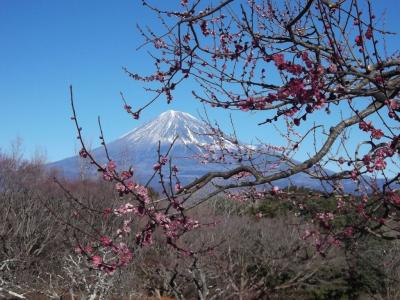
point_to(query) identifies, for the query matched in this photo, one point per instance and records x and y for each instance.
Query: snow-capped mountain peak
(169, 125)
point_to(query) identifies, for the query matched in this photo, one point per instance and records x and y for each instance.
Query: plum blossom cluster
(325, 218)
(368, 127)
(131, 187)
(105, 255)
(305, 87)
(376, 161)
(321, 241)
(129, 208)
(109, 253)
(173, 226)
(162, 161)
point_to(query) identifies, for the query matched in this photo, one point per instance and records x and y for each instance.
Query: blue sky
(47, 45)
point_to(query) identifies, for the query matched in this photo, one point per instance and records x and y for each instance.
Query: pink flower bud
(111, 165)
(106, 241)
(83, 153)
(97, 260)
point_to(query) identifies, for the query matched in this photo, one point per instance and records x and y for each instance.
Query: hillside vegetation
(249, 250)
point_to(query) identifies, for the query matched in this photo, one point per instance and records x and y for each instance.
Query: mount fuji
(138, 148)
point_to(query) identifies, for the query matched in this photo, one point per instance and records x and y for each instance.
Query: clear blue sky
(47, 45)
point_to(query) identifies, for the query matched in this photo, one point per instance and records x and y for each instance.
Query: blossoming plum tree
(299, 62)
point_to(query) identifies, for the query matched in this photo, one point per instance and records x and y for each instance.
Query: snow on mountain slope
(169, 125)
